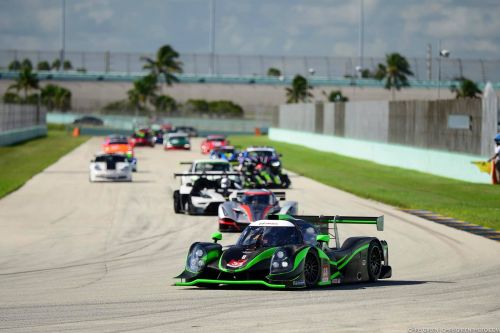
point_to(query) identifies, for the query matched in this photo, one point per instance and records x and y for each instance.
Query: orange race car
(114, 144)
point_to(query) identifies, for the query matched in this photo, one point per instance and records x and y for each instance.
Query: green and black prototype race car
(289, 252)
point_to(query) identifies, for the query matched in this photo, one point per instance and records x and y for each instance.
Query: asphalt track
(76, 256)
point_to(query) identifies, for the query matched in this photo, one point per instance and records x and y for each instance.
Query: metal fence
(257, 65)
(20, 116)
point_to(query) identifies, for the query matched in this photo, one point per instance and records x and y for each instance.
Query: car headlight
(280, 262)
(276, 164)
(187, 145)
(196, 259)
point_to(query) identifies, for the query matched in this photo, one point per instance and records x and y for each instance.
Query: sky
(469, 29)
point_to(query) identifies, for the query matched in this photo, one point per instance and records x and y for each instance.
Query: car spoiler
(281, 195)
(324, 221)
(186, 163)
(207, 173)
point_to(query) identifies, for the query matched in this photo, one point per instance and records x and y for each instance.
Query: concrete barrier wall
(241, 126)
(16, 116)
(445, 164)
(22, 134)
(459, 125)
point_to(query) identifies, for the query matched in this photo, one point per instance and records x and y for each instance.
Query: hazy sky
(470, 29)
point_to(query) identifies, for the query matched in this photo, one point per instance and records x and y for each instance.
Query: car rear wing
(324, 221)
(186, 163)
(281, 195)
(206, 173)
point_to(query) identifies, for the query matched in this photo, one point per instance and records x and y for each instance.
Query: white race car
(110, 167)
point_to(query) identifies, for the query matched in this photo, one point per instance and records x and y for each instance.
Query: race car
(228, 153)
(110, 167)
(289, 252)
(190, 131)
(143, 137)
(176, 141)
(204, 194)
(263, 153)
(119, 144)
(248, 206)
(213, 141)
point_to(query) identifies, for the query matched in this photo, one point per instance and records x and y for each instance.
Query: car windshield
(216, 139)
(210, 166)
(118, 141)
(260, 236)
(178, 139)
(256, 199)
(110, 158)
(261, 153)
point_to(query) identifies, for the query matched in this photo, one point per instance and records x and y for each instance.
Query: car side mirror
(234, 199)
(216, 236)
(323, 238)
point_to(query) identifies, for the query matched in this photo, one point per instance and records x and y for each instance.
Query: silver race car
(110, 167)
(248, 206)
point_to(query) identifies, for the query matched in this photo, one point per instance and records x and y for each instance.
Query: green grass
(20, 162)
(474, 203)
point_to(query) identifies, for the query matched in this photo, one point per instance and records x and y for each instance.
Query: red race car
(213, 141)
(143, 137)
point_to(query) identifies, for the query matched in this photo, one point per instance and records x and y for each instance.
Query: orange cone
(76, 132)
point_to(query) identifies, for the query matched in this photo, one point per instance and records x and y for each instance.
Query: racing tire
(177, 203)
(312, 269)
(188, 205)
(374, 261)
(285, 182)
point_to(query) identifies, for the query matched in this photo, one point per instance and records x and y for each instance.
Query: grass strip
(20, 162)
(403, 188)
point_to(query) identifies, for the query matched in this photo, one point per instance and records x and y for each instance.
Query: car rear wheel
(311, 269)
(374, 264)
(177, 202)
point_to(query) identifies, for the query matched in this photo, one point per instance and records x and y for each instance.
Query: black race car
(289, 252)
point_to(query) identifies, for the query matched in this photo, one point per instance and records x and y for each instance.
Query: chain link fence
(20, 116)
(258, 65)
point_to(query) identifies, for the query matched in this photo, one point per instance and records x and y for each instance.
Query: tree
(225, 108)
(299, 91)
(197, 106)
(55, 97)
(15, 65)
(336, 96)
(11, 98)
(273, 72)
(144, 91)
(165, 103)
(165, 64)
(43, 66)
(466, 89)
(25, 81)
(56, 64)
(67, 65)
(395, 72)
(26, 63)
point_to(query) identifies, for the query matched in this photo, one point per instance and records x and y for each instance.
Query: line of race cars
(277, 248)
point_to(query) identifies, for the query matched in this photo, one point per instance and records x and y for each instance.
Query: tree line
(394, 73)
(27, 90)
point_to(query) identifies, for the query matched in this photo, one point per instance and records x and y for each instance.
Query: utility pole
(429, 61)
(63, 33)
(361, 32)
(211, 40)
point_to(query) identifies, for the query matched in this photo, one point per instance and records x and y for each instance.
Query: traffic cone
(76, 132)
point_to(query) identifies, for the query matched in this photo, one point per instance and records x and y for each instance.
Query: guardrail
(230, 79)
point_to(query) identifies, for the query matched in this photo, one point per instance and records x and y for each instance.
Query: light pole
(211, 40)
(63, 33)
(443, 53)
(361, 31)
(311, 73)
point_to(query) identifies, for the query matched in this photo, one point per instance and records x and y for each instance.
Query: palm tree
(394, 72)
(43, 66)
(273, 72)
(26, 81)
(466, 89)
(165, 64)
(56, 97)
(26, 63)
(56, 64)
(15, 65)
(336, 96)
(144, 90)
(299, 91)
(67, 65)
